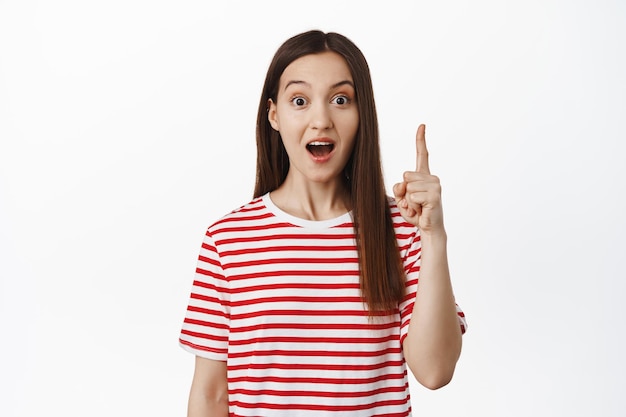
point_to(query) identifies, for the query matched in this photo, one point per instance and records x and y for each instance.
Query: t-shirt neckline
(297, 221)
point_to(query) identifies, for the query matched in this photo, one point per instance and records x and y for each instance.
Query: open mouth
(319, 149)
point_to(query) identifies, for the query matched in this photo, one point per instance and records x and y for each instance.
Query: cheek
(290, 121)
(352, 125)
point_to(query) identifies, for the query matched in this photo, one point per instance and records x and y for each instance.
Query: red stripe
(208, 247)
(296, 299)
(208, 286)
(290, 236)
(254, 228)
(296, 313)
(205, 336)
(271, 261)
(209, 260)
(404, 414)
(315, 366)
(210, 274)
(315, 326)
(319, 394)
(206, 311)
(290, 285)
(408, 297)
(314, 340)
(405, 236)
(248, 251)
(317, 273)
(305, 380)
(415, 252)
(242, 219)
(204, 348)
(206, 323)
(334, 407)
(315, 353)
(209, 299)
(253, 208)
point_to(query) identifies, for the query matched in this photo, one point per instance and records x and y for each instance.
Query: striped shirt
(278, 298)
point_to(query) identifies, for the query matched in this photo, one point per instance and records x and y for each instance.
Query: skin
(315, 191)
(208, 396)
(433, 344)
(315, 101)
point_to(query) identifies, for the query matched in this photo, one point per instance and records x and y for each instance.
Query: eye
(341, 100)
(298, 101)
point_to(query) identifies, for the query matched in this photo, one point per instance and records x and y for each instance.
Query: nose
(320, 116)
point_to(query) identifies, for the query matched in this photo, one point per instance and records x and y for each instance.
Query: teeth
(317, 143)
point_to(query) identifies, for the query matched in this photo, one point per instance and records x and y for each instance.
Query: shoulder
(253, 213)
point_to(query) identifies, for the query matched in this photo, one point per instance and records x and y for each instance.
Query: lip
(325, 140)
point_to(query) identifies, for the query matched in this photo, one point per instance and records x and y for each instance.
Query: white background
(127, 127)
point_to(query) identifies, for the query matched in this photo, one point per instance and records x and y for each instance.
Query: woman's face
(317, 116)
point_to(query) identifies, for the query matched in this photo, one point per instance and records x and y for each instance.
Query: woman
(305, 301)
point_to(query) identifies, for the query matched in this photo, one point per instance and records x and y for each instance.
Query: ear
(271, 114)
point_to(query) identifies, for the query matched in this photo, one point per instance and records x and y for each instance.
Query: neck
(312, 201)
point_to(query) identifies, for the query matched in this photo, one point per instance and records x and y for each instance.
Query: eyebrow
(339, 84)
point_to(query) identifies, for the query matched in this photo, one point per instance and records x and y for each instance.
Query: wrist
(438, 235)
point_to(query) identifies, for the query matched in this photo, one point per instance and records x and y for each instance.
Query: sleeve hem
(203, 352)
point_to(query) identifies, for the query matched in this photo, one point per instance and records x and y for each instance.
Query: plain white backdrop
(127, 127)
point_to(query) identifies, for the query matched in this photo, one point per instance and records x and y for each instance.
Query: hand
(419, 196)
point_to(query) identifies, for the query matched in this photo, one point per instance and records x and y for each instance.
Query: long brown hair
(381, 271)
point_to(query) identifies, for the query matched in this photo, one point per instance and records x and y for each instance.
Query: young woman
(305, 300)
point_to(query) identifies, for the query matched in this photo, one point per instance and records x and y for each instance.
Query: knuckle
(415, 197)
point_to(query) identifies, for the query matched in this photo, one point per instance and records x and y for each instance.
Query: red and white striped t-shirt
(277, 297)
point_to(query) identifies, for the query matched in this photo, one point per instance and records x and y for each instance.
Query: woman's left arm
(433, 344)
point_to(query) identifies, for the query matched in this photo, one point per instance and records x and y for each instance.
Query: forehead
(326, 68)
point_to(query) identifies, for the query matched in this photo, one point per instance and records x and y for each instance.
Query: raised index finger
(422, 152)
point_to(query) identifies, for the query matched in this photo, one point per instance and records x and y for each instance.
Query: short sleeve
(411, 258)
(205, 329)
